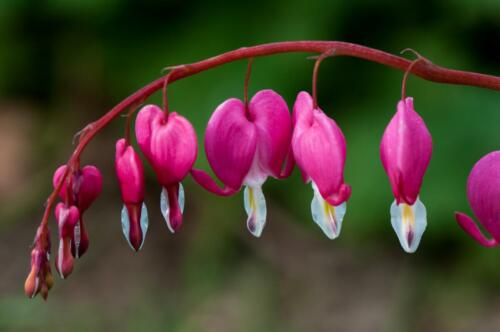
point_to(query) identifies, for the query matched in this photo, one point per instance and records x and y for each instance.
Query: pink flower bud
(130, 175)
(67, 219)
(483, 193)
(319, 149)
(244, 145)
(169, 143)
(405, 151)
(86, 186)
(33, 282)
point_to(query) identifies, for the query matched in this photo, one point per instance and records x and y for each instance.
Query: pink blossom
(67, 218)
(405, 151)
(245, 144)
(319, 149)
(86, 186)
(169, 143)
(483, 193)
(130, 173)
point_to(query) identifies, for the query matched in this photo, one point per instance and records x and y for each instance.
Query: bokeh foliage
(64, 63)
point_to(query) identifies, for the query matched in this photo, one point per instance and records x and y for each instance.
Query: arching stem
(427, 71)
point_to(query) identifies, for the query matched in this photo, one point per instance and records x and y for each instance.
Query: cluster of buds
(40, 278)
(246, 142)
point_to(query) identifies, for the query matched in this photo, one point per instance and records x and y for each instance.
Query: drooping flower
(86, 186)
(405, 151)
(319, 149)
(67, 218)
(130, 175)
(169, 143)
(483, 194)
(244, 145)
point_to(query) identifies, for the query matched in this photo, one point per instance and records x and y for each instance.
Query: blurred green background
(65, 63)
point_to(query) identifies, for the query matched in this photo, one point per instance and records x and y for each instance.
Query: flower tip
(135, 222)
(470, 227)
(32, 284)
(255, 207)
(409, 223)
(327, 216)
(172, 206)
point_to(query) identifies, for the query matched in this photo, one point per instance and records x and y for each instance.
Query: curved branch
(423, 69)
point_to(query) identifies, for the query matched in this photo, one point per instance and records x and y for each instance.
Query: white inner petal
(77, 238)
(255, 207)
(126, 224)
(328, 217)
(165, 206)
(60, 257)
(409, 223)
(144, 223)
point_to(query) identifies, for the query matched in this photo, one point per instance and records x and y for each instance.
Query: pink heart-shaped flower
(168, 142)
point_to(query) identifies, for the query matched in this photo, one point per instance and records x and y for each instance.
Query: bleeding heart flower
(67, 219)
(319, 149)
(405, 151)
(130, 175)
(483, 193)
(246, 144)
(86, 186)
(169, 143)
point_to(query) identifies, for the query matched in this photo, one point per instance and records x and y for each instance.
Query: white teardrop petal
(409, 223)
(126, 224)
(180, 197)
(144, 223)
(255, 207)
(77, 238)
(328, 217)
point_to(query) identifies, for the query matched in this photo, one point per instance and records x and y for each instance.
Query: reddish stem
(405, 77)
(425, 70)
(315, 75)
(165, 99)
(247, 79)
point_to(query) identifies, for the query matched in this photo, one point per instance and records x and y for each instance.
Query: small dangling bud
(130, 173)
(33, 282)
(67, 218)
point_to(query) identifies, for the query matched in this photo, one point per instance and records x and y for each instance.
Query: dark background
(65, 63)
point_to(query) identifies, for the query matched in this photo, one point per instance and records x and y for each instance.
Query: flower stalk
(424, 69)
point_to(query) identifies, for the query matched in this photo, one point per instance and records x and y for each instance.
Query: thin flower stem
(407, 73)
(319, 59)
(247, 80)
(425, 70)
(165, 99)
(128, 124)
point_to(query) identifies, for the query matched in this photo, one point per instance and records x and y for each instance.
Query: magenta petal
(67, 218)
(269, 112)
(230, 143)
(130, 173)
(169, 144)
(470, 227)
(86, 186)
(405, 151)
(204, 180)
(483, 192)
(319, 149)
(90, 188)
